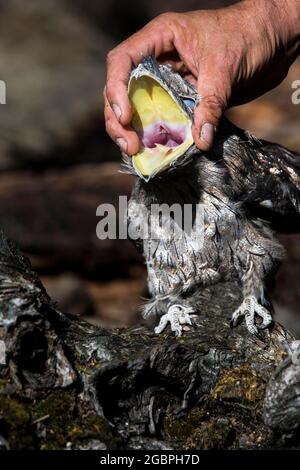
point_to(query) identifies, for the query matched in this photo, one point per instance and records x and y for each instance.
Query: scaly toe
(266, 317)
(250, 323)
(176, 317)
(236, 317)
(249, 308)
(177, 330)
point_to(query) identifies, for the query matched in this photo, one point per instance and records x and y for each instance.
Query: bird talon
(178, 331)
(177, 316)
(249, 308)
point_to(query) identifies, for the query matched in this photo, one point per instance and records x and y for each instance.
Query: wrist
(281, 20)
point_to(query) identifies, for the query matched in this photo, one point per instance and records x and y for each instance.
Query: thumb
(214, 91)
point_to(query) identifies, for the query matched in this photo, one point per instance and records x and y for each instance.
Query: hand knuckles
(110, 127)
(166, 17)
(111, 55)
(215, 102)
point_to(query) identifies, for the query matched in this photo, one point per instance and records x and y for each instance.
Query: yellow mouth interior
(163, 127)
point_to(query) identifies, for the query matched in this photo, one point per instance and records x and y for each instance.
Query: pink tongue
(165, 139)
(162, 136)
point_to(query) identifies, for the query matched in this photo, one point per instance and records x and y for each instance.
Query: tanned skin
(231, 55)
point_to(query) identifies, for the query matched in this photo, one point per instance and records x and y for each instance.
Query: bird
(227, 186)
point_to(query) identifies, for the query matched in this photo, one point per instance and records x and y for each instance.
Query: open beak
(164, 128)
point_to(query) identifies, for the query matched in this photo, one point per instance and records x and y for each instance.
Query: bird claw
(177, 316)
(248, 309)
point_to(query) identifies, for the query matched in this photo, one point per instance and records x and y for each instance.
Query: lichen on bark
(68, 384)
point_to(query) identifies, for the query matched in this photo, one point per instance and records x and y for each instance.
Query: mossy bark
(67, 384)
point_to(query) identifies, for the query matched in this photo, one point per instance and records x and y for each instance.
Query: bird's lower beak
(163, 126)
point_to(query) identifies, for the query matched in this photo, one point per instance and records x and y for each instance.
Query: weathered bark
(67, 384)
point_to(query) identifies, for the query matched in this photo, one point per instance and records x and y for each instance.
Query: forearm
(282, 22)
(254, 42)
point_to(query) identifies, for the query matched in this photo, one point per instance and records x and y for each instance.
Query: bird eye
(189, 102)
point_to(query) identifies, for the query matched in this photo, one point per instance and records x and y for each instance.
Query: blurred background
(57, 164)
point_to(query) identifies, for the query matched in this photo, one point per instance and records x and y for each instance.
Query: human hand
(231, 55)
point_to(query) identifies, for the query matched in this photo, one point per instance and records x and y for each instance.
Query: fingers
(125, 138)
(214, 88)
(155, 38)
(119, 65)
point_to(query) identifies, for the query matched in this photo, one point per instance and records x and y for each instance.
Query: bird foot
(177, 316)
(248, 309)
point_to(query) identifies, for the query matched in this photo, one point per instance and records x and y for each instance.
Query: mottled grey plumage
(238, 175)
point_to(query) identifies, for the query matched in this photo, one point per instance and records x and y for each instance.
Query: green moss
(63, 418)
(90, 426)
(95, 424)
(67, 423)
(14, 413)
(3, 383)
(17, 417)
(59, 407)
(239, 383)
(199, 430)
(202, 428)
(181, 428)
(214, 434)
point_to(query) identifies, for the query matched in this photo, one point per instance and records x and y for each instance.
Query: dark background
(57, 164)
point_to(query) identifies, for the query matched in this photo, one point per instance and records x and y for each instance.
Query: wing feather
(262, 172)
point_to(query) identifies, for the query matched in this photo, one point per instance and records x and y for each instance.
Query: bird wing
(262, 172)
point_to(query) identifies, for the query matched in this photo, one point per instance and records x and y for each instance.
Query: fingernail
(117, 111)
(124, 155)
(122, 144)
(208, 133)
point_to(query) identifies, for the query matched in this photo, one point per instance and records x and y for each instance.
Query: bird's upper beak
(163, 126)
